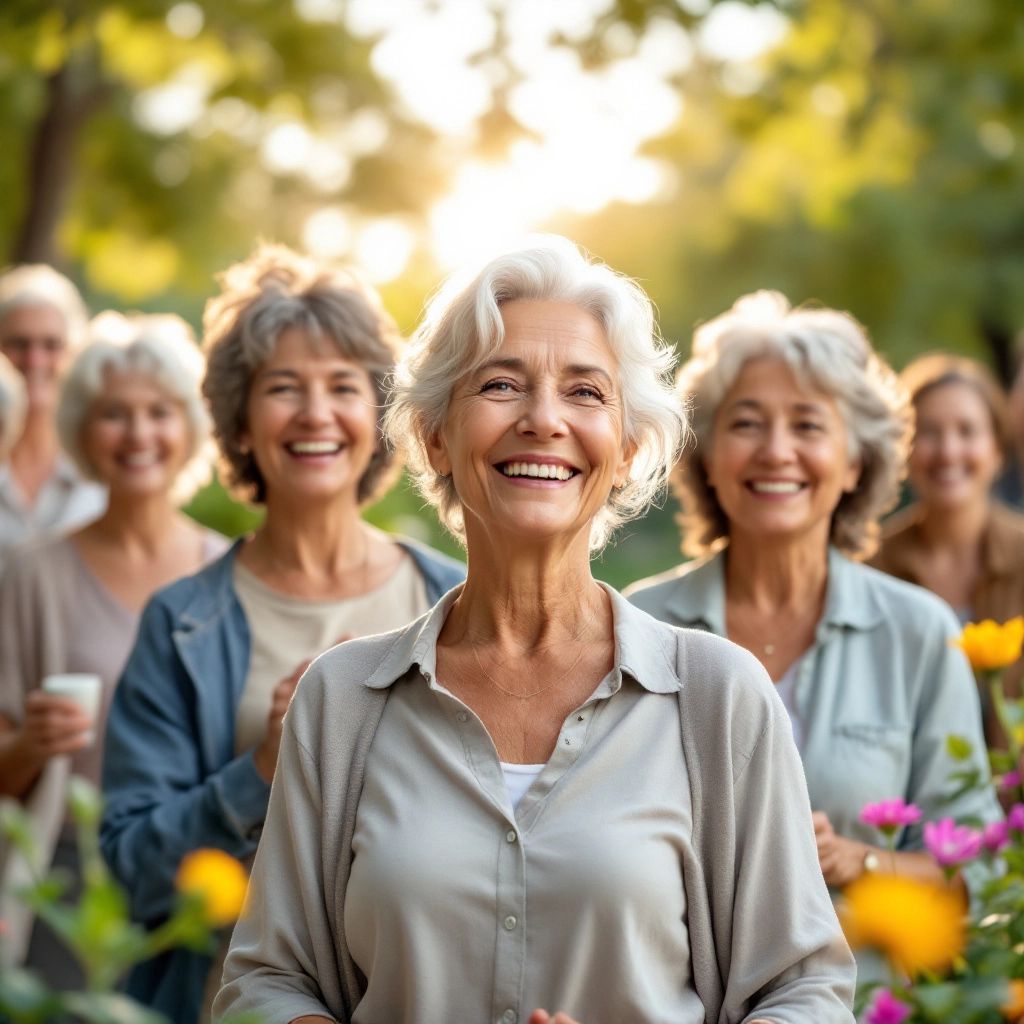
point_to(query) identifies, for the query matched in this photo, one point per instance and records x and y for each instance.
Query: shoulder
(213, 581)
(37, 561)
(655, 592)
(447, 572)
(1006, 528)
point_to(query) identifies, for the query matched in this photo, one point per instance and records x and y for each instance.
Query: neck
(787, 573)
(960, 527)
(523, 596)
(320, 539)
(38, 439)
(137, 524)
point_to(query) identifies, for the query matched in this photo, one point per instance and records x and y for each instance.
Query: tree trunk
(1000, 343)
(72, 93)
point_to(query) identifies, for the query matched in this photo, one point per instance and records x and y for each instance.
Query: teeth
(314, 447)
(538, 470)
(140, 459)
(775, 486)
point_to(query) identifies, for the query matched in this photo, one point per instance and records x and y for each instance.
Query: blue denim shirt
(878, 693)
(171, 779)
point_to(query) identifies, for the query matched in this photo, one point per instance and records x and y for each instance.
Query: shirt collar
(849, 600)
(644, 647)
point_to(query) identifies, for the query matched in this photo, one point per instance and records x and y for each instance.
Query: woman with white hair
(537, 798)
(42, 323)
(132, 418)
(802, 434)
(298, 354)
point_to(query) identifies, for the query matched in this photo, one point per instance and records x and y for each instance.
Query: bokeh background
(868, 155)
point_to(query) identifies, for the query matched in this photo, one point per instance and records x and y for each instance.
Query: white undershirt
(786, 689)
(519, 778)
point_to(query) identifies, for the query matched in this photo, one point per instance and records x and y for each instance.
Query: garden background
(868, 155)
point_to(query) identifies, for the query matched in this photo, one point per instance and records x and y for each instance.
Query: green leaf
(959, 747)
(110, 1008)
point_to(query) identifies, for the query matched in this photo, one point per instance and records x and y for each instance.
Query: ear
(437, 454)
(853, 474)
(622, 470)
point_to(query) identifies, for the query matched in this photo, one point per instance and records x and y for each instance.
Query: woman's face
(534, 438)
(34, 338)
(312, 420)
(136, 436)
(956, 457)
(778, 459)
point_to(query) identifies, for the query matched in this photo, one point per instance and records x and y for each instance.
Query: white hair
(13, 403)
(37, 284)
(462, 328)
(826, 349)
(160, 348)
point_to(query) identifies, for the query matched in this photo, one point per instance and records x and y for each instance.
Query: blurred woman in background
(802, 433)
(957, 540)
(133, 420)
(42, 323)
(298, 356)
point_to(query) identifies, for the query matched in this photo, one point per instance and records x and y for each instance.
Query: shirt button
(510, 922)
(568, 742)
(510, 836)
(509, 1017)
(462, 716)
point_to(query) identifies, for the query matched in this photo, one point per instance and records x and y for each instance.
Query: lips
(139, 460)
(314, 447)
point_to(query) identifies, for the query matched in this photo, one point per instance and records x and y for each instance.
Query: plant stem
(995, 689)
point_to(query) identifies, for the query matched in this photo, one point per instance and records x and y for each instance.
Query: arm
(164, 793)
(789, 960)
(284, 943)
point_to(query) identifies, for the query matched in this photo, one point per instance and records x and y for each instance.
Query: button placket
(510, 911)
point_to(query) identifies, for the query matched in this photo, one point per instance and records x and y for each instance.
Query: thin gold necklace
(534, 693)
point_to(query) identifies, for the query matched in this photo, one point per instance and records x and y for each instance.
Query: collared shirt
(661, 868)
(64, 502)
(878, 693)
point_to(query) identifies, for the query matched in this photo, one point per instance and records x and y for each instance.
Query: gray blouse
(661, 868)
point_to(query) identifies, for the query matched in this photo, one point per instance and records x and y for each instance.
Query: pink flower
(1015, 819)
(995, 836)
(952, 844)
(1010, 780)
(886, 1009)
(889, 816)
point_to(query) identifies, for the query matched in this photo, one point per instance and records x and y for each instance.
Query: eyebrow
(803, 407)
(295, 375)
(573, 370)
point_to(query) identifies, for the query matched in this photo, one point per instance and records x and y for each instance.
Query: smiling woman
(298, 354)
(537, 795)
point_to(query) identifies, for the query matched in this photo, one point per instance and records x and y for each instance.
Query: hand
(53, 725)
(267, 751)
(841, 859)
(543, 1017)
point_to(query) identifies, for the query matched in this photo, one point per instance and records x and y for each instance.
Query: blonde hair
(13, 403)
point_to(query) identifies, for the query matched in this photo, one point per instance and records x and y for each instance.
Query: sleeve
(21, 661)
(789, 961)
(284, 943)
(947, 704)
(162, 794)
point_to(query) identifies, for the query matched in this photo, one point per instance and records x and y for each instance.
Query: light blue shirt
(878, 693)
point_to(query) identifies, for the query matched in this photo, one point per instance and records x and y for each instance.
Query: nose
(316, 407)
(140, 425)
(542, 415)
(777, 445)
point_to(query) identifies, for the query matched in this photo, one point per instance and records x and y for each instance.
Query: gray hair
(273, 290)
(13, 403)
(462, 328)
(161, 348)
(37, 284)
(830, 351)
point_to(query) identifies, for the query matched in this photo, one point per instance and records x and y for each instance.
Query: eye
(280, 389)
(743, 424)
(809, 426)
(588, 392)
(499, 385)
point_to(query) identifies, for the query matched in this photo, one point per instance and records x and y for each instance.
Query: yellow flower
(990, 646)
(916, 925)
(218, 880)
(1013, 1008)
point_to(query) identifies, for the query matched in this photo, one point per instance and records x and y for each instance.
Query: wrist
(871, 862)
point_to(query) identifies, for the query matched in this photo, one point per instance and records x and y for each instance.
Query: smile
(775, 486)
(139, 460)
(537, 470)
(314, 447)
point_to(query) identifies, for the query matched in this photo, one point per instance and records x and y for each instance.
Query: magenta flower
(996, 836)
(1015, 819)
(889, 816)
(1011, 780)
(886, 1009)
(952, 844)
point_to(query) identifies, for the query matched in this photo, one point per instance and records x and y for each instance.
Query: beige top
(288, 630)
(661, 868)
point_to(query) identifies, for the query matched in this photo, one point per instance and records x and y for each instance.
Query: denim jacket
(171, 779)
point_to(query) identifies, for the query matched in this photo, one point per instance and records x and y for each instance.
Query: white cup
(84, 688)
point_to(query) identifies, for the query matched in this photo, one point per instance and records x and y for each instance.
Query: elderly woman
(956, 540)
(13, 403)
(42, 322)
(132, 418)
(537, 798)
(297, 359)
(802, 432)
